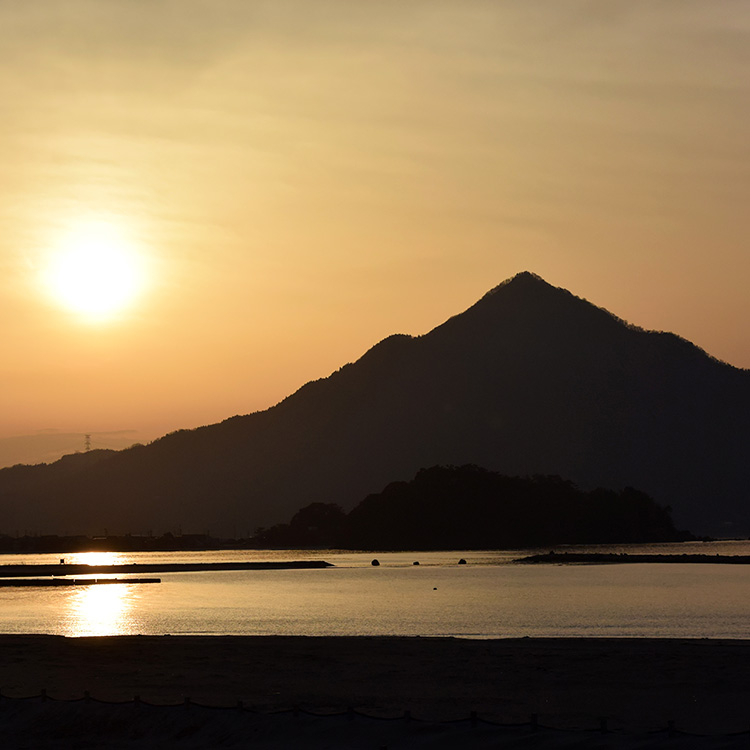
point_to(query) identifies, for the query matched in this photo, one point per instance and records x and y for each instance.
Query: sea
(491, 596)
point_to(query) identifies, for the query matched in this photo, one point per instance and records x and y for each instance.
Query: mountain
(529, 380)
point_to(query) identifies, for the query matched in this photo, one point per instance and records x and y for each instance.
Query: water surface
(488, 597)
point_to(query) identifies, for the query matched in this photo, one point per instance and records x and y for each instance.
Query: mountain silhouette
(529, 380)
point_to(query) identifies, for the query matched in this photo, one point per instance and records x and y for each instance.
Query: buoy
(462, 561)
(375, 562)
(416, 562)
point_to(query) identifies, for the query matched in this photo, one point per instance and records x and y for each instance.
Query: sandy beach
(638, 685)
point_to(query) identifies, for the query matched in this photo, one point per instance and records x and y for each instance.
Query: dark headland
(468, 507)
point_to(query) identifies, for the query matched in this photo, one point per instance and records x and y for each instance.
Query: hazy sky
(297, 179)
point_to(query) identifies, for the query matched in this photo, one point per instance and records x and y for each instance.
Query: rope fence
(599, 725)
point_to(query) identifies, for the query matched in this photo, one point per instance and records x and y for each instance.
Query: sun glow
(96, 558)
(95, 270)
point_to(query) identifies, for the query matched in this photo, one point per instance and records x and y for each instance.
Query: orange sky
(299, 179)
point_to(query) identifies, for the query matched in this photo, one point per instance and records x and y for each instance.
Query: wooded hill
(467, 507)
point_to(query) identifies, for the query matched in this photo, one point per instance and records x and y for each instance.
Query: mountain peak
(525, 280)
(525, 295)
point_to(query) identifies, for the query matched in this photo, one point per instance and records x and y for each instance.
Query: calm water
(488, 597)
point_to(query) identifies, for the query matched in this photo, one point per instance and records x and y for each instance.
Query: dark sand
(702, 685)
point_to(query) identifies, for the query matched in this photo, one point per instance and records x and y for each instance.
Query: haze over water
(489, 597)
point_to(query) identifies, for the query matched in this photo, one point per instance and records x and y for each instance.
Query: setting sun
(95, 270)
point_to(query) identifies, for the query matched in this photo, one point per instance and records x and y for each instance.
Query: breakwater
(65, 569)
(45, 582)
(569, 558)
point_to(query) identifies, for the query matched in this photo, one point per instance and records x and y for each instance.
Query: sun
(94, 270)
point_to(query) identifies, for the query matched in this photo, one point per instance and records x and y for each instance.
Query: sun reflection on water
(95, 558)
(103, 609)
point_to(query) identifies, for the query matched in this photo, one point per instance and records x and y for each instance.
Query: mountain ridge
(529, 380)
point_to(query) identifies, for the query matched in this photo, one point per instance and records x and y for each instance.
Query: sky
(276, 186)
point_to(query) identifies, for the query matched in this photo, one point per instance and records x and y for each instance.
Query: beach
(639, 685)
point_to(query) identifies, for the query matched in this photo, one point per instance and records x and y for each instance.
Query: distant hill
(468, 507)
(529, 380)
(47, 446)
